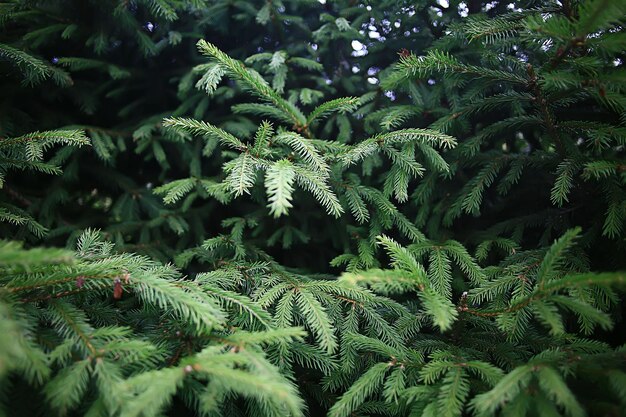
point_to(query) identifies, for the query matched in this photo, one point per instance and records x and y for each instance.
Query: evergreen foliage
(292, 208)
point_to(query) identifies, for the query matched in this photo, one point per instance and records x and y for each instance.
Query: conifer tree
(287, 208)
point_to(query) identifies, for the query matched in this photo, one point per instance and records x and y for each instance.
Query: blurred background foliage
(116, 68)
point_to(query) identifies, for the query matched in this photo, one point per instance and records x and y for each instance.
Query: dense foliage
(272, 208)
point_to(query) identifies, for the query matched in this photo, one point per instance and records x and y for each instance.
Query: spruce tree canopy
(312, 208)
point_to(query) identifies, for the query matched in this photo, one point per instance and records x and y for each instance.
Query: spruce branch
(33, 69)
(339, 105)
(200, 128)
(253, 82)
(437, 61)
(370, 381)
